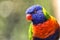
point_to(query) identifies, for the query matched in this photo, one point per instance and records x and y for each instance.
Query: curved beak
(29, 17)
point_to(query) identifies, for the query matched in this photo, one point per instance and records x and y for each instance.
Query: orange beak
(29, 17)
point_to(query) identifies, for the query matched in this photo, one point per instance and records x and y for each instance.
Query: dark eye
(34, 12)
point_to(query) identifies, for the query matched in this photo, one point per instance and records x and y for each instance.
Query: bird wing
(30, 32)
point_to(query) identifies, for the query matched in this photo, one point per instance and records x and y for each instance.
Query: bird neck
(46, 14)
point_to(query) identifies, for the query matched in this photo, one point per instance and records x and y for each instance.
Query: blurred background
(13, 25)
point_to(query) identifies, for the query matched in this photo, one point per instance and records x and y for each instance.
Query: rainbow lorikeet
(43, 26)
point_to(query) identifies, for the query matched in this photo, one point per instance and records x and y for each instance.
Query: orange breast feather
(45, 29)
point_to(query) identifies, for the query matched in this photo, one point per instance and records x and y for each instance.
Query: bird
(43, 25)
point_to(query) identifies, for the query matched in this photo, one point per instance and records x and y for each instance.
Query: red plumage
(46, 29)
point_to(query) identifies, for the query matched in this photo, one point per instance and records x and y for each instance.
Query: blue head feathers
(32, 8)
(37, 17)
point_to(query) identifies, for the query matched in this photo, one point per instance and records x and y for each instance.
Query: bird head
(35, 14)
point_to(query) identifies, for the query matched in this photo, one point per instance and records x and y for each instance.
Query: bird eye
(35, 11)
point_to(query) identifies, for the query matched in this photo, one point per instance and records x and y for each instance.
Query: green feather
(46, 14)
(30, 32)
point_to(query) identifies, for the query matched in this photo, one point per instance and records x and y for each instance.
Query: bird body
(43, 26)
(46, 29)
